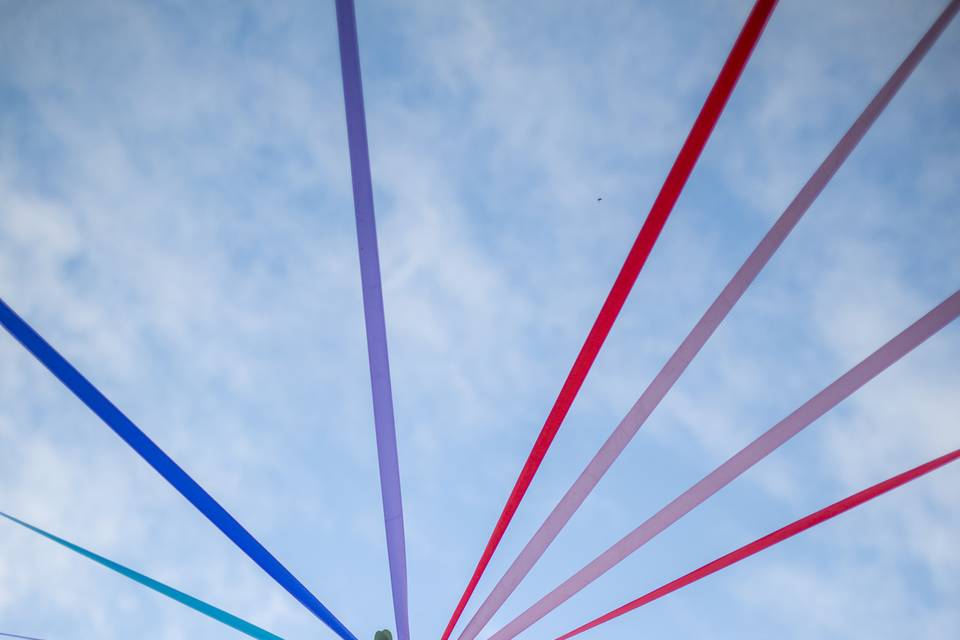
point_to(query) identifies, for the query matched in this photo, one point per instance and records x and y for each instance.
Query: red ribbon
(639, 252)
(771, 539)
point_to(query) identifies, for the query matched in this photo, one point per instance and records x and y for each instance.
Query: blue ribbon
(164, 465)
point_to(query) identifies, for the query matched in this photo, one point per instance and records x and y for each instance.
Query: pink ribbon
(692, 344)
(750, 455)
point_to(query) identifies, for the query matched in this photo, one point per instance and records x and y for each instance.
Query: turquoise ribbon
(197, 605)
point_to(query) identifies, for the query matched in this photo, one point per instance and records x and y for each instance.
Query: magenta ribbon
(840, 389)
(701, 332)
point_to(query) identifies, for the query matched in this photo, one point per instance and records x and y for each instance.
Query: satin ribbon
(767, 541)
(691, 345)
(656, 219)
(196, 604)
(164, 465)
(837, 391)
(373, 313)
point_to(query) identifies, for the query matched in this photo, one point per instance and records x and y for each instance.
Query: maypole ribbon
(196, 604)
(164, 465)
(373, 314)
(784, 533)
(656, 219)
(844, 386)
(698, 336)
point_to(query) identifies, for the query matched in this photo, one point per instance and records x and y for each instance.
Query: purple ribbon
(373, 312)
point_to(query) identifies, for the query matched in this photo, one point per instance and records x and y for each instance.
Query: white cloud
(175, 216)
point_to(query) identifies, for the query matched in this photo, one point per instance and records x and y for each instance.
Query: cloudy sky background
(175, 217)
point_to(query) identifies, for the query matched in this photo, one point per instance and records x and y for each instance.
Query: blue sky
(175, 216)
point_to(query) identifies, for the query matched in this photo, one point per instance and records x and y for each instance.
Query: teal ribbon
(197, 605)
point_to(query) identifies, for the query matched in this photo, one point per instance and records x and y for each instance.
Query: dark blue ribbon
(164, 465)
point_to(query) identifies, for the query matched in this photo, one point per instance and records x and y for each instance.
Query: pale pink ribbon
(757, 450)
(675, 366)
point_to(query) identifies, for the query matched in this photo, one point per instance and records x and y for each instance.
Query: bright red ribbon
(642, 246)
(769, 540)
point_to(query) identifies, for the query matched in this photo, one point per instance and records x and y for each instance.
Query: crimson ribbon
(778, 536)
(639, 252)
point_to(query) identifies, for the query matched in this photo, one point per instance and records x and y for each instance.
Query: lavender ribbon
(373, 312)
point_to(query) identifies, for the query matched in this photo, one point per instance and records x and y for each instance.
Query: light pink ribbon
(754, 452)
(682, 357)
